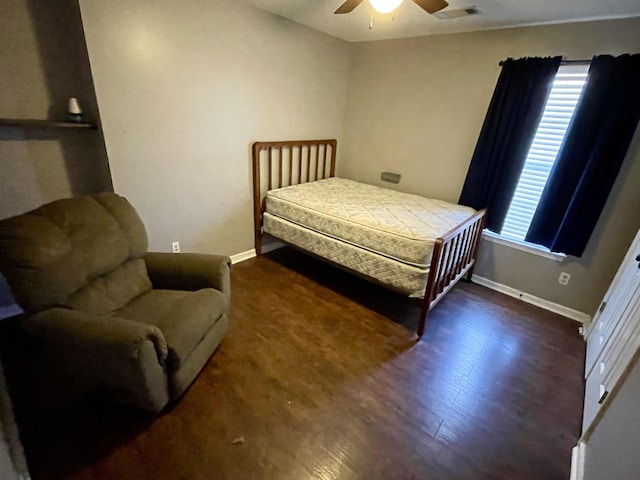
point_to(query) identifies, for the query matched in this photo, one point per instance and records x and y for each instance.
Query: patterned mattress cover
(395, 224)
(404, 278)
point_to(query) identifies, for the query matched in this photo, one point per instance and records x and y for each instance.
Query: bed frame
(295, 162)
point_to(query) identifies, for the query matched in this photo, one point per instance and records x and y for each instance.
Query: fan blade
(431, 6)
(348, 6)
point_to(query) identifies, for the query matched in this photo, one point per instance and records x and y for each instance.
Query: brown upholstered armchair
(107, 317)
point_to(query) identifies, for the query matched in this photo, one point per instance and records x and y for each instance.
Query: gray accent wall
(44, 61)
(416, 106)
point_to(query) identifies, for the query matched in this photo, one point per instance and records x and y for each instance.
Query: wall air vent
(451, 14)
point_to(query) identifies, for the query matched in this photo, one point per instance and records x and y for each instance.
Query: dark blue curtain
(588, 162)
(511, 122)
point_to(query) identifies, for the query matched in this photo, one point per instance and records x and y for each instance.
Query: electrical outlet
(175, 247)
(564, 278)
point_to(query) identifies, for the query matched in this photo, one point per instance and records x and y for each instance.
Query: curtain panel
(590, 158)
(508, 130)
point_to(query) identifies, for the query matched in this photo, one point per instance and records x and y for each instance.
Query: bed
(417, 246)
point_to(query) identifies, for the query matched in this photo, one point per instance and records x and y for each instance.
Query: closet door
(615, 305)
(614, 338)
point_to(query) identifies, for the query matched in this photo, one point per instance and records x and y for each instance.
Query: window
(561, 104)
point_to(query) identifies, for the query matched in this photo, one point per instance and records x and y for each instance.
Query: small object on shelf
(75, 112)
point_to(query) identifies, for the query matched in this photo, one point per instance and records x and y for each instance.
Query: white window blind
(558, 111)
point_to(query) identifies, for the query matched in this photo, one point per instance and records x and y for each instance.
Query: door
(615, 304)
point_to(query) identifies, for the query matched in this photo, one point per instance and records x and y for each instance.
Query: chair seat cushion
(183, 317)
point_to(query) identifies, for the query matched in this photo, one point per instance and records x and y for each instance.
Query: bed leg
(257, 242)
(424, 312)
(469, 274)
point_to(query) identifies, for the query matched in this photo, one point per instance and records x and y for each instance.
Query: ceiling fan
(382, 6)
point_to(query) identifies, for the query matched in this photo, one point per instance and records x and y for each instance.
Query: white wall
(416, 107)
(185, 88)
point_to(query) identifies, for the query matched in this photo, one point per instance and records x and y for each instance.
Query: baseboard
(577, 461)
(533, 300)
(242, 256)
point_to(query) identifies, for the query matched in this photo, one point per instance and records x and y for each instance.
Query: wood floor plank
(320, 377)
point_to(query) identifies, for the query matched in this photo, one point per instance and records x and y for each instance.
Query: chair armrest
(189, 271)
(102, 337)
(74, 353)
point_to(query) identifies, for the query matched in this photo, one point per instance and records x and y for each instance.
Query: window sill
(532, 248)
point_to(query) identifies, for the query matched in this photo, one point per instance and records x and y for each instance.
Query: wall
(7, 470)
(43, 61)
(612, 449)
(13, 465)
(185, 88)
(416, 107)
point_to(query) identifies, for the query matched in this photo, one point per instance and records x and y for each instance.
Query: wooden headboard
(291, 162)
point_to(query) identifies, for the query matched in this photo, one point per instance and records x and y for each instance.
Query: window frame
(521, 244)
(532, 248)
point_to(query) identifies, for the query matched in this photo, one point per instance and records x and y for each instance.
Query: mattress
(396, 225)
(404, 278)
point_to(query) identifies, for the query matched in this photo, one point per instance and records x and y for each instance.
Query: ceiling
(411, 21)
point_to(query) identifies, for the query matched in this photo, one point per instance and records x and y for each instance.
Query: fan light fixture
(385, 6)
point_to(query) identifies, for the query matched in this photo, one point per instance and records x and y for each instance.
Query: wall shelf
(30, 123)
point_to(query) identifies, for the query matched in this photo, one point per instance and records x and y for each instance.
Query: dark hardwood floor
(320, 377)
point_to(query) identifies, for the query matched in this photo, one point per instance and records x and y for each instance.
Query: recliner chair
(105, 316)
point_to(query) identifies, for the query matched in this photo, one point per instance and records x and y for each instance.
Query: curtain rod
(563, 62)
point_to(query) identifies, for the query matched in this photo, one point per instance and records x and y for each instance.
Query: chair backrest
(61, 248)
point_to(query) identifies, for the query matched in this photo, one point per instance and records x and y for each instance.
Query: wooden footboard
(454, 255)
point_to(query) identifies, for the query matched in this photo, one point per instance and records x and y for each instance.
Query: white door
(615, 304)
